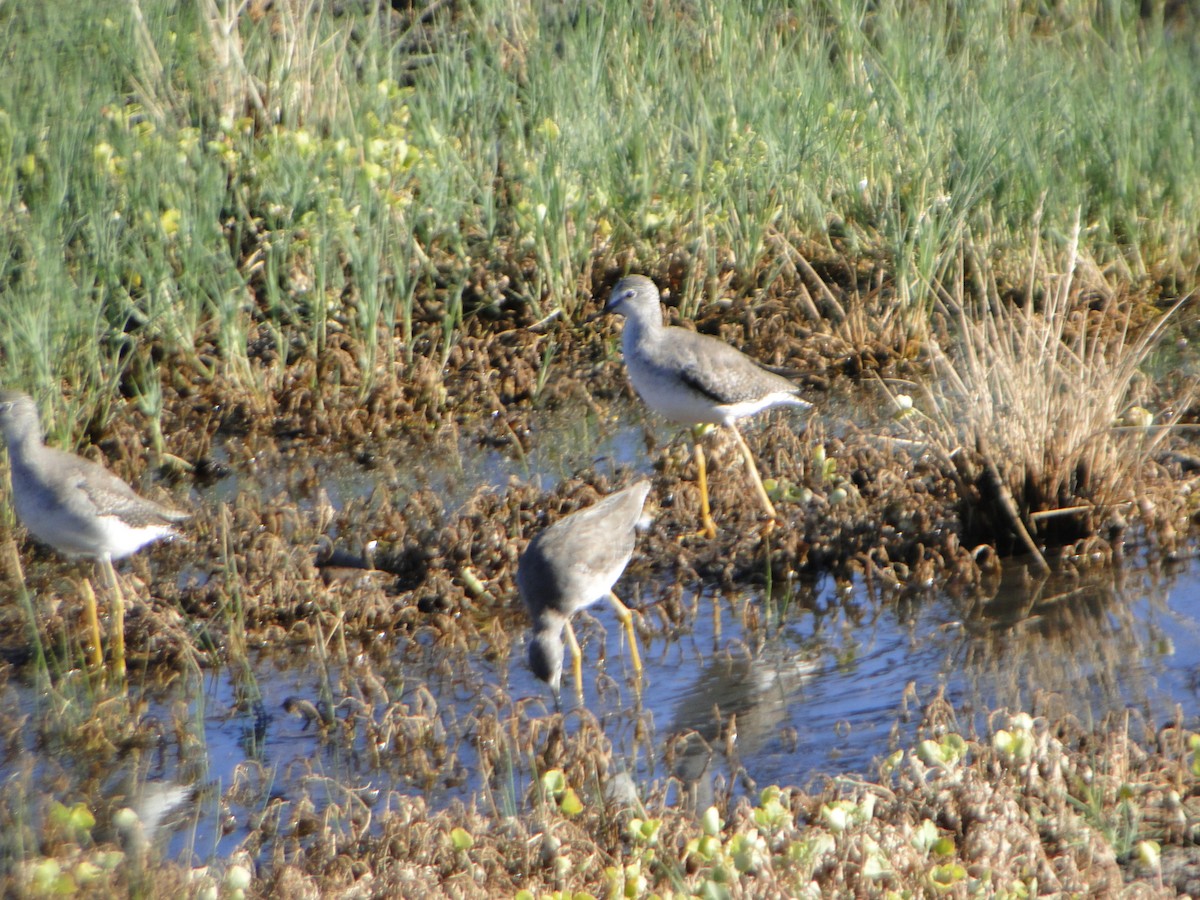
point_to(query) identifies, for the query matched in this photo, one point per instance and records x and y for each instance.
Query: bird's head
(18, 416)
(632, 294)
(546, 658)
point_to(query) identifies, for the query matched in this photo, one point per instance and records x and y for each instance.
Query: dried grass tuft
(1035, 408)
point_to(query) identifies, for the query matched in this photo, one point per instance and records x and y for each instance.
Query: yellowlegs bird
(694, 379)
(79, 508)
(572, 564)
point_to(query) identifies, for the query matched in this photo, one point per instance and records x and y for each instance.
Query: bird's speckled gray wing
(719, 372)
(578, 559)
(94, 489)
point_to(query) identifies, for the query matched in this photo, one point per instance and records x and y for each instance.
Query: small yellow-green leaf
(797, 493)
(708, 847)
(1020, 722)
(809, 851)
(238, 878)
(749, 852)
(645, 831)
(570, 803)
(890, 764)
(925, 836)
(86, 871)
(45, 873)
(943, 846)
(169, 220)
(710, 822)
(81, 818)
(1137, 417)
(874, 863)
(554, 782)
(835, 817)
(1148, 854)
(471, 582)
(548, 129)
(1002, 741)
(944, 878)
(461, 839)
(77, 818)
(947, 752)
(635, 881)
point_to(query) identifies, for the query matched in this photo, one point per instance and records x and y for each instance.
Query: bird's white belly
(592, 586)
(121, 539)
(671, 398)
(85, 536)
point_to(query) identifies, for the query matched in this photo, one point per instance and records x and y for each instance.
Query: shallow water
(820, 688)
(821, 695)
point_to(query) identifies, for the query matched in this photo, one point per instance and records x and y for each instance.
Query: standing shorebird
(695, 379)
(79, 508)
(573, 564)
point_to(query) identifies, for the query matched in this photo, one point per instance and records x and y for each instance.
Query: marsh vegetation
(244, 241)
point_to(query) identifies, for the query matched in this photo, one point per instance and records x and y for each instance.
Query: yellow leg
(576, 659)
(118, 618)
(708, 528)
(93, 623)
(625, 614)
(752, 471)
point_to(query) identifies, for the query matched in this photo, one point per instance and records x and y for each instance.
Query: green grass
(169, 182)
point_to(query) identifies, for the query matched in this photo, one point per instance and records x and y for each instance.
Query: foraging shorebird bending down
(79, 508)
(695, 379)
(573, 564)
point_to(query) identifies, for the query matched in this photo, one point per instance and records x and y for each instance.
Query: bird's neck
(23, 445)
(549, 624)
(643, 324)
